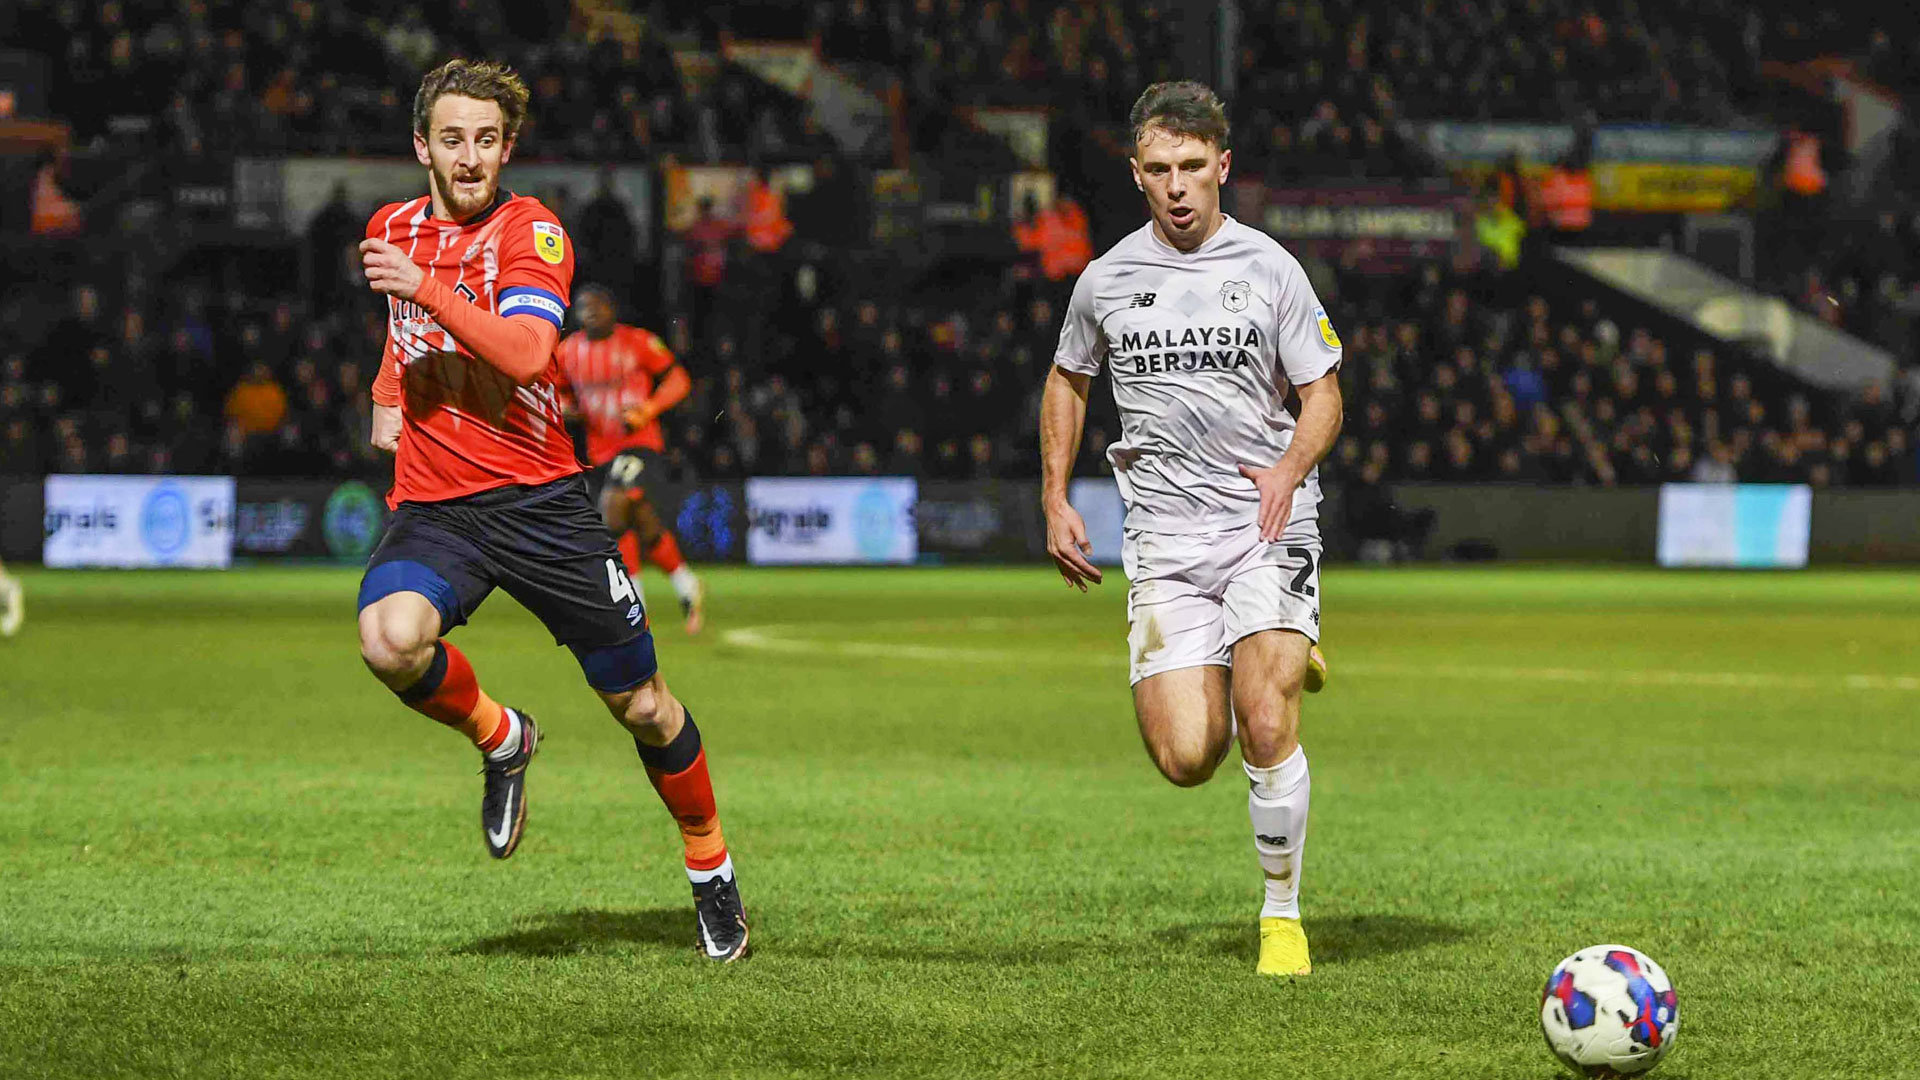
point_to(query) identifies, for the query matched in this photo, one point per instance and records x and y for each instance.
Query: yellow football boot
(1283, 948)
(1316, 670)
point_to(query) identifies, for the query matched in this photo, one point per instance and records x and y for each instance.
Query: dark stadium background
(183, 184)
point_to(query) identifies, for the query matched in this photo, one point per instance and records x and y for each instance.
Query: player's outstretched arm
(518, 346)
(1063, 414)
(1321, 410)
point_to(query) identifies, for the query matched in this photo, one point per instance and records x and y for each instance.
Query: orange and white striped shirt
(467, 427)
(610, 376)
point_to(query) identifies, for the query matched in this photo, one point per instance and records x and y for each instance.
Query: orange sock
(451, 694)
(678, 772)
(630, 553)
(665, 554)
(689, 798)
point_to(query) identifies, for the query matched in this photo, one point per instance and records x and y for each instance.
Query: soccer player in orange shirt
(622, 378)
(486, 490)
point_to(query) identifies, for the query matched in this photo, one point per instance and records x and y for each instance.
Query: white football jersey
(1202, 347)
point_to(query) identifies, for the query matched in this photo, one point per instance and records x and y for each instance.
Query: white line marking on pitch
(792, 639)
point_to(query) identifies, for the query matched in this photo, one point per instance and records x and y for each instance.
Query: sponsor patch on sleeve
(550, 242)
(1326, 328)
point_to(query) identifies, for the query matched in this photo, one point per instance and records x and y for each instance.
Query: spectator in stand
(905, 458)
(53, 213)
(1500, 232)
(765, 226)
(1565, 199)
(61, 358)
(332, 238)
(707, 240)
(21, 453)
(257, 405)
(1057, 235)
(1903, 452)
(820, 214)
(608, 243)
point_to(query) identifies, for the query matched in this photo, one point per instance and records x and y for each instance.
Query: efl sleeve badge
(550, 242)
(1326, 328)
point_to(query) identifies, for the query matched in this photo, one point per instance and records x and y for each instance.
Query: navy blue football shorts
(630, 471)
(547, 547)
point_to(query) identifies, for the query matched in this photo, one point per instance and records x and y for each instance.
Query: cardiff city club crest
(1233, 295)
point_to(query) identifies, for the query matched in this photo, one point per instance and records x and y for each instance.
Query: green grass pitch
(225, 851)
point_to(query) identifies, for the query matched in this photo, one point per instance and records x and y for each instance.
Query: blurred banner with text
(1374, 227)
(831, 519)
(1637, 168)
(138, 521)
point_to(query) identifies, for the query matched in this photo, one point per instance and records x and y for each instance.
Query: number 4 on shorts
(619, 586)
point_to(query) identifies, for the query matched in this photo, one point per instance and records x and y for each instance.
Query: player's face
(463, 148)
(596, 315)
(1181, 176)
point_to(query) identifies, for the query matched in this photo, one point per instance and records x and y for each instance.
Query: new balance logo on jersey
(1142, 299)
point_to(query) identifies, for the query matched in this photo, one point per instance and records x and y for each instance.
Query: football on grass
(1609, 1011)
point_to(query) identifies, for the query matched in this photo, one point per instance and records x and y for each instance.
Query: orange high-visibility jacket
(767, 225)
(1566, 197)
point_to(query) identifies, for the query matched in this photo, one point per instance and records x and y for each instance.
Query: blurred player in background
(622, 378)
(486, 490)
(13, 603)
(1203, 323)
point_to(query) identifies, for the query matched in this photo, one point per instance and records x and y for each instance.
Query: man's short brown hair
(1184, 108)
(481, 80)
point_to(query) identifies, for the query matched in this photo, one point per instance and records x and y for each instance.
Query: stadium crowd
(328, 76)
(1447, 378)
(1442, 384)
(1324, 82)
(1445, 387)
(1863, 277)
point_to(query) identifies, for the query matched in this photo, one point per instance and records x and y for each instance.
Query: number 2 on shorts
(1305, 555)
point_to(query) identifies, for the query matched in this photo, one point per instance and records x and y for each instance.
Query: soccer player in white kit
(1203, 323)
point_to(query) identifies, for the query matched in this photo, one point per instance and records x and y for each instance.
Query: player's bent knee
(404, 608)
(1266, 741)
(392, 646)
(643, 707)
(1184, 769)
(648, 711)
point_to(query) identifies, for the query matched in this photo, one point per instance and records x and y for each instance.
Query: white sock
(511, 744)
(1277, 804)
(685, 585)
(701, 877)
